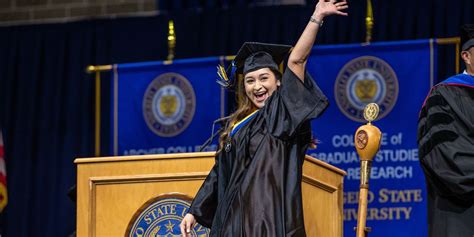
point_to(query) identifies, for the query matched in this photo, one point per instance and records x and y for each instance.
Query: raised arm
(299, 55)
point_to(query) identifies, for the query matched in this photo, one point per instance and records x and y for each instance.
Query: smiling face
(260, 85)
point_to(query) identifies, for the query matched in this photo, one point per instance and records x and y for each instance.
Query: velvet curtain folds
(47, 99)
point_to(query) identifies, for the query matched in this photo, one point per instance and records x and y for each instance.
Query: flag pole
(457, 42)
(97, 69)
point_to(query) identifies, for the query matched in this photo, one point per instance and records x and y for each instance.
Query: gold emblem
(168, 105)
(371, 112)
(366, 90)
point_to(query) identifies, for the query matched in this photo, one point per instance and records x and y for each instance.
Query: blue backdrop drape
(47, 99)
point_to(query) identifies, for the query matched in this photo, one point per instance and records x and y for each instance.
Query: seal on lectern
(161, 216)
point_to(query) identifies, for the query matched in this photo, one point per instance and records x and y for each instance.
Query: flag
(160, 107)
(396, 76)
(3, 177)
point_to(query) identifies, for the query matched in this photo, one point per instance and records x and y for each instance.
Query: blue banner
(397, 76)
(164, 108)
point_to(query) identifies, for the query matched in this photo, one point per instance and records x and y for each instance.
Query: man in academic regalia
(446, 148)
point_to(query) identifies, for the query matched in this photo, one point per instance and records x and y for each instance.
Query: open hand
(330, 7)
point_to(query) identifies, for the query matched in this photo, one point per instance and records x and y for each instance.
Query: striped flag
(3, 177)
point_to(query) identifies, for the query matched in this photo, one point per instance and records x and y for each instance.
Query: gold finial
(371, 112)
(90, 69)
(369, 22)
(98, 68)
(171, 40)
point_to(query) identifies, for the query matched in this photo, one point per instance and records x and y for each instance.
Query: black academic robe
(254, 189)
(446, 152)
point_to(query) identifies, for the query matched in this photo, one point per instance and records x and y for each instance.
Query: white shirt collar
(465, 72)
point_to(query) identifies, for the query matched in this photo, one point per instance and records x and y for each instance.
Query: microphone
(221, 121)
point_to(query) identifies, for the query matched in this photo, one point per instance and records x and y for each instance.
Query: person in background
(446, 148)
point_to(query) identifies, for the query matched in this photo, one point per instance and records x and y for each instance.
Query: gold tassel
(221, 73)
(369, 22)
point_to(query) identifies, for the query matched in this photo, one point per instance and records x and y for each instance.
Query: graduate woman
(254, 188)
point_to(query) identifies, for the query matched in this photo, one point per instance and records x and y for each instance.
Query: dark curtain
(47, 99)
(47, 111)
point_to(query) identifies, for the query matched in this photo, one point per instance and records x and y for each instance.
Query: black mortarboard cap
(253, 56)
(467, 36)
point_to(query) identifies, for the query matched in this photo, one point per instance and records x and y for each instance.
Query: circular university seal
(169, 104)
(362, 81)
(161, 216)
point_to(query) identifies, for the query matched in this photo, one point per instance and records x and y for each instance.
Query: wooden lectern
(111, 189)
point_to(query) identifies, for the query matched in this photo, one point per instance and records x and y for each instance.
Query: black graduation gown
(446, 151)
(255, 188)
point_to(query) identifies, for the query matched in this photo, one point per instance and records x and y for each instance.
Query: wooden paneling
(112, 189)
